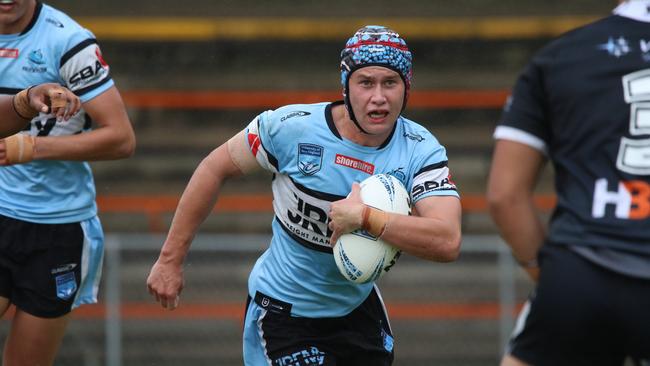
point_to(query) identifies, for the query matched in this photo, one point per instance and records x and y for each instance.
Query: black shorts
(362, 337)
(582, 314)
(40, 265)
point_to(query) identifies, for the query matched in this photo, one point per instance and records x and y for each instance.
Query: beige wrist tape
(374, 221)
(19, 148)
(22, 106)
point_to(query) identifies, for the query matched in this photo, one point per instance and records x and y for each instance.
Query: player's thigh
(33, 340)
(268, 340)
(48, 277)
(273, 336)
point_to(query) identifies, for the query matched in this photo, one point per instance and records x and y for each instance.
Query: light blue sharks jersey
(53, 48)
(314, 166)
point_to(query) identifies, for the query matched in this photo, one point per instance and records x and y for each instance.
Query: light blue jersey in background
(53, 48)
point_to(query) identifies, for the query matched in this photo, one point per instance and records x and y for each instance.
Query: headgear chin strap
(375, 45)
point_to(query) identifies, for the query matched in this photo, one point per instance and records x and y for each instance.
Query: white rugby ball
(359, 256)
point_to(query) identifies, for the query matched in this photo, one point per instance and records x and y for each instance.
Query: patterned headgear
(375, 45)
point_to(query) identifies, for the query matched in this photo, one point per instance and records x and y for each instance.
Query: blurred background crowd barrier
(194, 73)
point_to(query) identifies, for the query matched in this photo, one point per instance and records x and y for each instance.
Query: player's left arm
(515, 170)
(113, 137)
(432, 233)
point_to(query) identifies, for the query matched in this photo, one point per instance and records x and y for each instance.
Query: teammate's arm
(17, 110)
(113, 137)
(514, 173)
(432, 233)
(229, 160)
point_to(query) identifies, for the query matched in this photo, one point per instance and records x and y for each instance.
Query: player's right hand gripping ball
(359, 256)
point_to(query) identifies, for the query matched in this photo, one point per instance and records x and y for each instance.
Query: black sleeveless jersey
(584, 100)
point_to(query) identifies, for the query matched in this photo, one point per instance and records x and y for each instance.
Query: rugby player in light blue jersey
(301, 310)
(51, 241)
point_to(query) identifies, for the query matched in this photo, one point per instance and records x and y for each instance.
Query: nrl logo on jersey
(310, 158)
(294, 114)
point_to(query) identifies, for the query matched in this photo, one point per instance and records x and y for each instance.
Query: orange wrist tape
(22, 106)
(374, 221)
(19, 148)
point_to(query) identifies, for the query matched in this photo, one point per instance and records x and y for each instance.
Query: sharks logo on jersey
(35, 62)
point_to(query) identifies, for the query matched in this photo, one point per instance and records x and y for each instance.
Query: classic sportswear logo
(54, 22)
(354, 164)
(294, 114)
(414, 136)
(64, 268)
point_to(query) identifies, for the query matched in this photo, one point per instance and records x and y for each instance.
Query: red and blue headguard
(375, 45)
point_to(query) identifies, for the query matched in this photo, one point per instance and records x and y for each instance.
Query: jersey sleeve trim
(73, 51)
(429, 167)
(272, 159)
(523, 137)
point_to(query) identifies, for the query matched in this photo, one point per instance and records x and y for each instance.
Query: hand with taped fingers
(165, 283)
(18, 110)
(52, 98)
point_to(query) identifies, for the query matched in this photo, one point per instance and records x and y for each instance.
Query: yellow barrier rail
(276, 28)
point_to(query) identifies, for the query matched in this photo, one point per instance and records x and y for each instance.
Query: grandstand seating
(194, 73)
